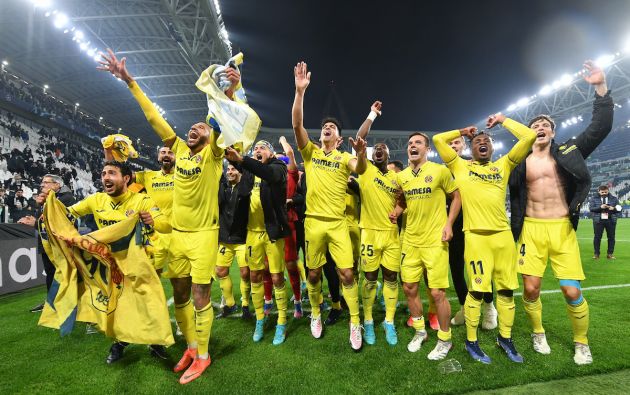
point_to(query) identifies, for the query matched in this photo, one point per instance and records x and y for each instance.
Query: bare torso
(545, 188)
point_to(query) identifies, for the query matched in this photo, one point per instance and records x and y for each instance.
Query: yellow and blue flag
(238, 122)
(104, 277)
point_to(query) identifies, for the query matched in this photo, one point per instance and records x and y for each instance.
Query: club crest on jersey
(129, 212)
(338, 157)
(197, 158)
(478, 280)
(521, 261)
(428, 179)
(494, 169)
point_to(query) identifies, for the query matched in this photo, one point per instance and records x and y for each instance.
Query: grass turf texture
(34, 359)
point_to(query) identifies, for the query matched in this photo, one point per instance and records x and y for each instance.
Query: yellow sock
(300, 266)
(336, 305)
(185, 317)
(315, 296)
(226, 290)
(245, 290)
(281, 303)
(368, 293)
(579, 316)
(506, 310)
(472, 312)
(203, 327)
(418, 323)
(444, 336)
(258, 299)
(533, 309)
(390, 294)
(432, 308)
(351, 294)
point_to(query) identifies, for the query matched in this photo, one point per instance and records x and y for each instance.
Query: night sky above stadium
(435, 65)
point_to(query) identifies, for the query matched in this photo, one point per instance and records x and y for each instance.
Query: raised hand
(232, 155)
(468, 131)
(376, 107)
(594, 74)
(302, 77)
(359, 145)
(114, 66)
(494, 120)
(234, 77)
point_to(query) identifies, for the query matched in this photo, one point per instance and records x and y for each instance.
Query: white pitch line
(170, 301)
(603, 239)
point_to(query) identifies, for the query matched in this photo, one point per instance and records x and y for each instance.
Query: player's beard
(167, 166)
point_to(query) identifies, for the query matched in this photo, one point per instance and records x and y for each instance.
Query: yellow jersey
(425, 194)
(378, 198)
(326, 181)
(108, 210)
(196, 192)
(483, 187)
(256, 220)
(352, 208)
(159, 186)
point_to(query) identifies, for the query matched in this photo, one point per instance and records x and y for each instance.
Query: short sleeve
(307, 151)
(84, 207)
(448, 183)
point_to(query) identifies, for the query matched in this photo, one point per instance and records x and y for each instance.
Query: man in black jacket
(50, 182)
(605, 208)
(233, 213)
(267, 226)
(546, 191)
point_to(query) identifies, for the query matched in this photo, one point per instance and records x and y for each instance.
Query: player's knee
(314, 276)
(244, 273)
(222, 271)
(476, 295)
(438, 295)
(390, 276)
(371, 276)
(410, 289)
(532, 291)
(277, 279)
(508, 293)
(256, 276)
(572, 291)
(346, 276)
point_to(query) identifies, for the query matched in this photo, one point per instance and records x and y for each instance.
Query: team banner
(104, 277)
(239, 124)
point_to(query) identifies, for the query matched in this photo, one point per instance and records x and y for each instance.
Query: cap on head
(265, 144)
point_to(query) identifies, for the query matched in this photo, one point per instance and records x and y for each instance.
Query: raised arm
(119, 69)
(288, 150)
(524, 134)
(602, 120)
(359, 164)
(441, 141)
(375, 111)
(302, 79)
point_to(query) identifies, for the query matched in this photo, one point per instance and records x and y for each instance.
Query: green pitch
(37, 360)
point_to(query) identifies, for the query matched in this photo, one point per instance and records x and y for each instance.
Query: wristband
(373, 115)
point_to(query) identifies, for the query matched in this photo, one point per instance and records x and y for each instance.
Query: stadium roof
(167, 44)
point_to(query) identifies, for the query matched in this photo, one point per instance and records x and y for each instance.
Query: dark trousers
(49, 269)
(330, 271)
(598, 228)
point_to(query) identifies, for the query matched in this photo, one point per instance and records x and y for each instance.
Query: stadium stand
(38, 135)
